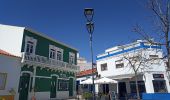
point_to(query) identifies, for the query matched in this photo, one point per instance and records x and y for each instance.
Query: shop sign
(158, 75)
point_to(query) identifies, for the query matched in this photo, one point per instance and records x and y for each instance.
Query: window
(141, 86)
(30, 45)
(159, 86)
(119, 63)
(63, 86)
(55, 53)
(52, 54)
(71, 58)
(154, 59)
(59, 55)
(104, 67)
(3, 77)
(153, 56)
(29, 48)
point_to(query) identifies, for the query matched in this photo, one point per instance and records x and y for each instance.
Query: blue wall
(156, 96)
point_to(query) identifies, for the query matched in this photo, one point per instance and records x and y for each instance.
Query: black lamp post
(89, 12)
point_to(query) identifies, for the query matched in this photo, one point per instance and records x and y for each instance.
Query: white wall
(62, 94)
(113, 71)
(40, 96)
(149, 84)
(11, 66)
(11, 39)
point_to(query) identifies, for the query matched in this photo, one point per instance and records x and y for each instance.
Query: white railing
(41, 60)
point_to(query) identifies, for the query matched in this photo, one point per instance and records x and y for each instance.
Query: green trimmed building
(48, 67)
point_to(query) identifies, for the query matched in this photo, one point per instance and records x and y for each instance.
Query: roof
(87, 72)
(6, 53)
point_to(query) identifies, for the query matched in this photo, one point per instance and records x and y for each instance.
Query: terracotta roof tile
(6, 53)
(87, 72)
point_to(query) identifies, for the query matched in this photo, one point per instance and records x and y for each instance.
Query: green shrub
(87, 95)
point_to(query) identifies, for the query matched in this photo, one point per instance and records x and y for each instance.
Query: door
(105, 88)
(53, 87)
(122, 90)
(24, 86)
(71, 85)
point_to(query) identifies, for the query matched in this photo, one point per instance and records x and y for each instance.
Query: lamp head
(89, 12)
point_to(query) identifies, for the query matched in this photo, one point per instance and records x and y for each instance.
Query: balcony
(46, 62)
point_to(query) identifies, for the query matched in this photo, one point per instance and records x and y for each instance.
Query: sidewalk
(78, 97)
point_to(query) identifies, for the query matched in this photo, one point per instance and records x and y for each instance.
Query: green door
(24, 86)
(53, 87)
(71, 87)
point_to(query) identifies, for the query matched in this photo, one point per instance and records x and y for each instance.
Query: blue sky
(64, 20)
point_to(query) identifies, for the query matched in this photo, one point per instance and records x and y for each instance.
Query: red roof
(6, 53)
(87, 72)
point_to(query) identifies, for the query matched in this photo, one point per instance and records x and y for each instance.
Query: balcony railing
(44, 61)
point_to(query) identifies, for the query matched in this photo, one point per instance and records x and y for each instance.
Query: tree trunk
(137, 89)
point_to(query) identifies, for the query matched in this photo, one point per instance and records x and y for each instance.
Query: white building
(9, 75)
(83, 63)
(85, 73)
(115, 63)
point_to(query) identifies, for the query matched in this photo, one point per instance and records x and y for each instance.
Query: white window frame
(56, 49)
(61, 51)
(71, 58)
(104, 68)
(119, 63)
(34, 41)
(52, 47)
(154, 58)
(52, 54)
(62, 83)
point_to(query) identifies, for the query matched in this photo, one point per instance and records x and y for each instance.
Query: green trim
(42, 84)
(27, 68)
(43, 72)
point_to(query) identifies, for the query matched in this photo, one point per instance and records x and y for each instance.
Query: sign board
(158, 75)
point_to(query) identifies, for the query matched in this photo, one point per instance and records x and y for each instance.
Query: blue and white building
(152, 75)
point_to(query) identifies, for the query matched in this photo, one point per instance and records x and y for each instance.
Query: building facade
(9, 75)
(82, 76)
(84, 64)
(48, 67)
(151, 71)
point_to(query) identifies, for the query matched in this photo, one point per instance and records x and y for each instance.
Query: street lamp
(89, 12)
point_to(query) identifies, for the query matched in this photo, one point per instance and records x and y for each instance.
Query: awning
(102, 80)
(119, 77)
(105, 80)
(87, 81)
